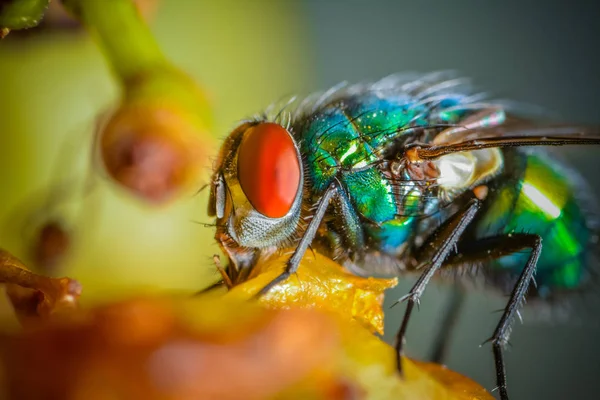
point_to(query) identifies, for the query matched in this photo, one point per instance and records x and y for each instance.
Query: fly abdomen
(537, 196)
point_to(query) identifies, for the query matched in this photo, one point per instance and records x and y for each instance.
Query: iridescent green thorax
(536, 196)
(347, 140)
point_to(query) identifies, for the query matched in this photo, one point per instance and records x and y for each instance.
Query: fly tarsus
(493, 248)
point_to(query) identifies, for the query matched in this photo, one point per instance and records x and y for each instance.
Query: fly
(407, 175)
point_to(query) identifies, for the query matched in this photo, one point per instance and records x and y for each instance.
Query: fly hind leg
(493, 248)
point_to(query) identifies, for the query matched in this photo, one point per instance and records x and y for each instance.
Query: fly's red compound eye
(269, 169)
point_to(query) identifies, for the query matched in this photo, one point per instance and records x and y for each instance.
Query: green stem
(21, 14)
(127, 41)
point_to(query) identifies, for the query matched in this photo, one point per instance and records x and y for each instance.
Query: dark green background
(540, 52)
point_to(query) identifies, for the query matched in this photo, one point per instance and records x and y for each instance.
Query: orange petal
(463, 387)
(165, 349)
(366, 365)
(221, 346)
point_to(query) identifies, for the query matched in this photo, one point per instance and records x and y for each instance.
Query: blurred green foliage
(54, 89)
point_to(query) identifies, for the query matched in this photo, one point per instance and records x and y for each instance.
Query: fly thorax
(414, 185)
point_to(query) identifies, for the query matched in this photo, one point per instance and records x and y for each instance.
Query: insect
(410, 174)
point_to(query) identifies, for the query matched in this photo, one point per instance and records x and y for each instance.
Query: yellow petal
(309, 345)
(319, 283)
(365, 366)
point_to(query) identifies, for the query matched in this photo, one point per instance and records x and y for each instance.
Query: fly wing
(468, 154)
(493, 128)
(503, 136)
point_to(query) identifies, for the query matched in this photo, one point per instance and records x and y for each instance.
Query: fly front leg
(294, 261)
(434, 251)
(493, 248)
(224, 281)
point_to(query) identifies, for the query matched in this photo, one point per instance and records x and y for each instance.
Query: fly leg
(435, 250)
(444, 334)
(216, 285)
(294, 261)
(493, 248)
(225, 279)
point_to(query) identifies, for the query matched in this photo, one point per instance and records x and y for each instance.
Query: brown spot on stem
(52, 244)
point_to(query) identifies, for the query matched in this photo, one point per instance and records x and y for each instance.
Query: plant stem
(128, 43)
(20, 14)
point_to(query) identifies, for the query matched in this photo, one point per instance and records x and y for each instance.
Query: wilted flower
(296, 344)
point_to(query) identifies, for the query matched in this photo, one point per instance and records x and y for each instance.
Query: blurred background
(55, 88)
